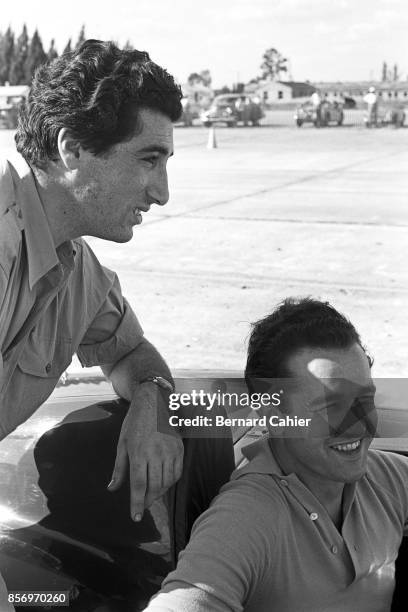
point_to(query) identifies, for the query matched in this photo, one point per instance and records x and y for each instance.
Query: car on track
(386, 114)
(328, 113)
(349, 102)
(62, 532)
(232, 109)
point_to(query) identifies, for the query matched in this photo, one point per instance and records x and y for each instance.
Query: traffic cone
(212, 141)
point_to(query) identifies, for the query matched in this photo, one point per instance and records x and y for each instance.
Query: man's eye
(151, 159)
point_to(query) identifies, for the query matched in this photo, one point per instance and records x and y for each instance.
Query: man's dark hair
(96, 93)
(295, 324)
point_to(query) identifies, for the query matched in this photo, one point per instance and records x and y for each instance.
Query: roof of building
(363, 85)
(297, 84)
(13, 90)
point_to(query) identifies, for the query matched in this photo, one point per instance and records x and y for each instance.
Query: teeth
(348, 447)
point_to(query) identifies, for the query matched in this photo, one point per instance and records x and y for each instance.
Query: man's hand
(149, 447)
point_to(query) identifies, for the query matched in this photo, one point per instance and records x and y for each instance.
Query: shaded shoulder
(388, 470)
(383, 461)
(244, 517)
(252, 495)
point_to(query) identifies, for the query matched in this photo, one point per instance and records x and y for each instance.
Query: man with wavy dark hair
(314, 520)
(94, 138)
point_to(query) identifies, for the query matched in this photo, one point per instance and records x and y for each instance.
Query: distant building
(271, 92)
(12, 95)
(199, 95)
(392, 91)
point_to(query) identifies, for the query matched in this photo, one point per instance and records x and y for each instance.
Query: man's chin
(120, 237)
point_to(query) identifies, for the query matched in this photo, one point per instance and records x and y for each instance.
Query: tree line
(273, 64)
(21, 55)
(389, 74)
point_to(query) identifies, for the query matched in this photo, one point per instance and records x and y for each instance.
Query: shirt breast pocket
(45, 357)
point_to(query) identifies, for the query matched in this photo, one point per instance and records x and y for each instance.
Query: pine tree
(81, 38)
(36, 56)
(384, 72)
(52, 52)
(273, 64)
(395, 75)
(68, 48)
(17, 75)
(2, 63)
(6, 55)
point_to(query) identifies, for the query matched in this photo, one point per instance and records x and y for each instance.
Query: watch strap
(160, 382)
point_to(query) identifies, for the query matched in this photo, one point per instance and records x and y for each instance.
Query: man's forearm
(148, 449)
(142, 362)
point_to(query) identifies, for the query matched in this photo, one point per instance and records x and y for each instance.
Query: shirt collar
(260, 460)
(41, 252)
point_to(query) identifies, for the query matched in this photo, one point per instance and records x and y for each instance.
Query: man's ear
(69, 149)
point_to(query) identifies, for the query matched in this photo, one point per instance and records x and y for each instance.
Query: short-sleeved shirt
(53, 302)
(267, 544)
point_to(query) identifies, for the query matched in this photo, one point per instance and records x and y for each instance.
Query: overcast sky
(324, 39)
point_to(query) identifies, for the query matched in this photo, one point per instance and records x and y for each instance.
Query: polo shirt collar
(260, 458)
(41, 252)
(261, 461)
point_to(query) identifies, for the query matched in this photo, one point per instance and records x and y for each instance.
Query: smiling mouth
(138, 212)
(349, 447)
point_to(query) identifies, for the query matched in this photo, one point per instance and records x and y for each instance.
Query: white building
(391, 91)
(199, 95)
(12, 95)
(272, 92)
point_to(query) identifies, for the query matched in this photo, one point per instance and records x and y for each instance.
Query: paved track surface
(273, 211)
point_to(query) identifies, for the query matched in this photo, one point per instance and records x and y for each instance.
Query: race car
(328, 112)
(231, 109)
(386, 114)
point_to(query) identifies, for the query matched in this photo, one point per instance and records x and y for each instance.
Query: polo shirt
(266, 544)
(53, 302)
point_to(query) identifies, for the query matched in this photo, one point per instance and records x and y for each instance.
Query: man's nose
(158, 191)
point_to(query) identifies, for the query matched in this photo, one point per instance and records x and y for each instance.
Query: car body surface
(232, 109)
(349, 102)
(62, 531)
(393, 114)
(330, 112)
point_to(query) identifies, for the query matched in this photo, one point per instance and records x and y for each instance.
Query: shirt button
(284, 483)
(313, 516)
(48, 367)
(334, 549)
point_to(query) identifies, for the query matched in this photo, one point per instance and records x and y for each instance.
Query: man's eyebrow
(156, 149)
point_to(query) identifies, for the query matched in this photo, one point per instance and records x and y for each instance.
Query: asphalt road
(273, 211)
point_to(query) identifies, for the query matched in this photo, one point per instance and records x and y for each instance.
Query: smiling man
(314, 520)
(94, 138)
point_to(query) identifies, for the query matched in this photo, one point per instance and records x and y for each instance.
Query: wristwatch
(160, 381)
